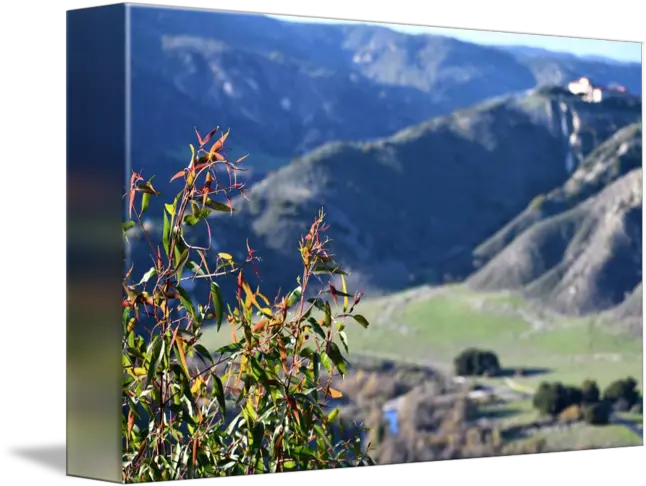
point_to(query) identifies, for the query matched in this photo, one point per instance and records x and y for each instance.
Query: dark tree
(625, 390)
(553, 398)
(591, 393)
(597, 414)
(573, 395)
(476, 362)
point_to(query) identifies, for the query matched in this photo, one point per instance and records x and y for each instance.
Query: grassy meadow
(432, 325)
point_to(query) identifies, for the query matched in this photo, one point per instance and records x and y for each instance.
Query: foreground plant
(261, 403)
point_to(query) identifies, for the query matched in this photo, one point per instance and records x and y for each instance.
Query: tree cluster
(555, 399)
(477, 362)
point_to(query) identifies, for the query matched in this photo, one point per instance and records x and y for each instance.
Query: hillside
(611, 160)
(412, 208)
(287, 88)
(630, 312)
(584, 260)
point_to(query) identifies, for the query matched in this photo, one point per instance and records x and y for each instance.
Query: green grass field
(582, 436)
(579, 436)
(432, 326)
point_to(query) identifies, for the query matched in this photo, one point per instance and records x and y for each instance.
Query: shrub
(176, 423)
(590, 392)
(573, 395)
(553, 398)
(573, 413)
(598, 413)
(476, 362)
(622, 389)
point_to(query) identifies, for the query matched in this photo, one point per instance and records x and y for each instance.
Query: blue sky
(618, 50)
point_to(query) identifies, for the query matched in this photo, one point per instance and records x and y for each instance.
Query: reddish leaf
(209, 136)
(199, 137)
(199, 167)
(194, 451)
(216, 156)
(208, 180)
(133, 182)
(260, 325)
(129, 272)
(283, 356)
(241, 159)
(218, 145)
(159, 259)
(178, 175)
(240, 282)
(333, 292)
(131, 421)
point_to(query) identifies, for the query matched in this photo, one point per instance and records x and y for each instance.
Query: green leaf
(192, 219)
(145, 201)
(195, 208)
(155, 358)
(250, 412)
(361, 320)
(218, 303)
(337, 358)
(257, 371)
(218, 206)
(321, 433)
(166, 235)
(328, 315)
(317, 327)
(148, 275)
(325, 269)
(127, 225)
(203, 352)
(333, 415)
(230, 348)
(147, 187)
(325, 361)
(180, 261)
(195, 268)
(125, 316)
(186, 302)
(344, 340)
(294, 296)
(219, 391)
(303, 452)
(318, 303)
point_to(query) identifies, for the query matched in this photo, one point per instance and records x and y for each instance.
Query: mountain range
(286, 88)
(435, 160)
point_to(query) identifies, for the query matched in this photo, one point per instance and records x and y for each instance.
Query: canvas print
(352, 244)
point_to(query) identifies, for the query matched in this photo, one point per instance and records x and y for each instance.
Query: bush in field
(597, 414)
(622, 390)
(554, 398)
(476, 362)
(177, 417)
(573, 413)
(591, 393)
